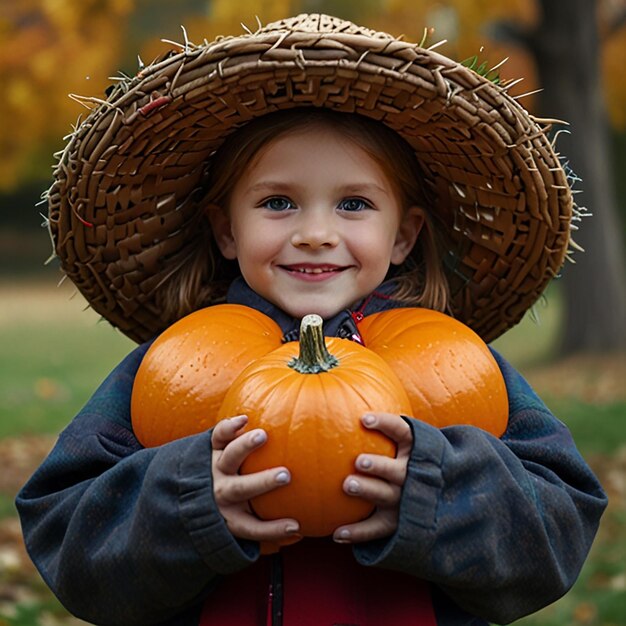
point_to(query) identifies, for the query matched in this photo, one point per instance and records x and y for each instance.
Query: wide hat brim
(123, 208)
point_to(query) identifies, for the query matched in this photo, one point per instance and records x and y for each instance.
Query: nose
(314, 230)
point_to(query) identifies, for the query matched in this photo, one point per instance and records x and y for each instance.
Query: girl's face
(314, 223)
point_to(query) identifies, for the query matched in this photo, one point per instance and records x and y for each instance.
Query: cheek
(257, 244)
(374, 243)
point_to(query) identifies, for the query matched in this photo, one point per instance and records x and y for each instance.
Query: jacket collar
(344, 324)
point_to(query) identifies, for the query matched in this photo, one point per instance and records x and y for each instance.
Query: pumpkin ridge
(251, 373)
(358, 390)
(462, 372)
(336, 396)
(459, 373)
(441, 378)
(318, 446)
(417, 391)
(369, 376)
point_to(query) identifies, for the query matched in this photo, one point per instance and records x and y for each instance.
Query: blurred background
(54, 351)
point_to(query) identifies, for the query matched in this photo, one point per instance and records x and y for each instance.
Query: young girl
(313, 166)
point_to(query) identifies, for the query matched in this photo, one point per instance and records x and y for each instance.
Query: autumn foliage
(47, 50)
(52, 48)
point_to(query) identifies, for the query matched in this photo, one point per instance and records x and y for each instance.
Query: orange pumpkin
(448, 377)
(184, 375)
(447, 370)
(311, 405)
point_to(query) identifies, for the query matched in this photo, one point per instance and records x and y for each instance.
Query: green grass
(47, 376)
(35, 612)
(53, 357)
(534, 339)
(7, 507)
(596, 428)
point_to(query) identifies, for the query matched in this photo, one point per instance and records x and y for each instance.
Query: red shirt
(318, 583)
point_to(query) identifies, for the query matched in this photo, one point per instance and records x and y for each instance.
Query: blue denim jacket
(127, 536)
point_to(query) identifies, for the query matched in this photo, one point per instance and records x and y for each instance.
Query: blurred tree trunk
(567, 51)
(566, 48)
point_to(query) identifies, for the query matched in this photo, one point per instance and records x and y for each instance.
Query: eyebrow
(350, 188)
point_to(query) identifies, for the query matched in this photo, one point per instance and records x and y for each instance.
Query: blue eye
(353, 205)
(277, 203)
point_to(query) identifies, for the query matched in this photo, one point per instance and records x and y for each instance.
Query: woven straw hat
(122, 209)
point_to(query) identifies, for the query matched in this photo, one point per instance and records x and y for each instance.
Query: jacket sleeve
(121, 534)
(502, 526)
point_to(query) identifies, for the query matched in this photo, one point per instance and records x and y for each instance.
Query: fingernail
(369, 420)
(342, 536)
(239, 420)
(282, 477)
(354, 486)
(259, 437)
(291, 529)
(365, 462)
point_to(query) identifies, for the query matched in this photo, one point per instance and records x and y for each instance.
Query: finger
(393, 426)
(380, 492)
(391, 470)
(271, 547)
(226, 430)
(236, 451)
(248, 526)
(382, 524)
(236, 489)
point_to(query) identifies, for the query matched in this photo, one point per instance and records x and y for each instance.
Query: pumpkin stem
(314, 356)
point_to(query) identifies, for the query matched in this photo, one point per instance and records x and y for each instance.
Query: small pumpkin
(184, 375)
(310, 398)
(447, 370)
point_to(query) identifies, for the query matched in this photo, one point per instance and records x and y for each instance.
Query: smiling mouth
(314, 270)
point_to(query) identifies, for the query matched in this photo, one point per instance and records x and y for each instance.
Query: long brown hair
(204, 276)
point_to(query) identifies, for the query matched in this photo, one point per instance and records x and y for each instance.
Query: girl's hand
(379, 480)
(233, 491)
